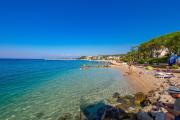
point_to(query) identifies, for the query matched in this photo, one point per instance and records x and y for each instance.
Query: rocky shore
(141, 105)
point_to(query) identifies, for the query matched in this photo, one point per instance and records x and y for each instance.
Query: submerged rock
(114, 113)
(136, 101)
(112, 101)
(66, 116)
(116, 95)
(129, 96)
(39, 115)
(122, 106)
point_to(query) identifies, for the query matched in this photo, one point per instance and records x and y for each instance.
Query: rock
(147, 108)
(81, 117)
(146, 102)
(116, 95)
(143, 116)
(130, 97)
(154, 97)
(115, 114)
(139, 98)
(132, 116)
(122, 106)
(77, 117)
(101, 112)
(39, 115)
(111, 101)
(132, 110)
(66, 116)
(158, 115)
(166, 99)
(125, 102)
(141, 106)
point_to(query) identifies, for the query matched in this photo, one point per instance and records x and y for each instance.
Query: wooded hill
(151, 51)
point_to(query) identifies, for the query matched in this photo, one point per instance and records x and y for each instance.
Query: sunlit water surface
(46, 90)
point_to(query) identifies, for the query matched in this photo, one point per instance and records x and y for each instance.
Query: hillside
(158, 48)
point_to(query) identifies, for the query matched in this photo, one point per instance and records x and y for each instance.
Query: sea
(32, 89)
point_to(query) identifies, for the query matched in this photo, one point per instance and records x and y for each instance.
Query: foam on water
(50, 92)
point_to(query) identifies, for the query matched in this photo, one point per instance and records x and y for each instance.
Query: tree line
(151, 50)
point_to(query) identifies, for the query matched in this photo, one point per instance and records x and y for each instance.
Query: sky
(66, 28)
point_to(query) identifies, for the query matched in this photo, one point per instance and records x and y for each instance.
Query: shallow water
(46, 90)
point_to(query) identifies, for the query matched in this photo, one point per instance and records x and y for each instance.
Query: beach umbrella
(172, 59)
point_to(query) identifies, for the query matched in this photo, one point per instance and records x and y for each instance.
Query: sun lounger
(163, 75)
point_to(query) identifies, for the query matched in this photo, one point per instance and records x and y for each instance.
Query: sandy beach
(140, 79)
(148, 91)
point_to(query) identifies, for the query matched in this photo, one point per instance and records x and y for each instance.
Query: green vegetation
(154, 51)
(175, 66)
(151, 51)
(163, 59)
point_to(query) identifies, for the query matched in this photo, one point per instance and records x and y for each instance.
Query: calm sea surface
(46, 90)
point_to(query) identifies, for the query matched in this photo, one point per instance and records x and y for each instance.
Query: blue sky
(55, 28)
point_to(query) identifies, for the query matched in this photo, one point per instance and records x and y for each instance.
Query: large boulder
(143, 116)
(112, 113)
(158, 115)
(139, 98)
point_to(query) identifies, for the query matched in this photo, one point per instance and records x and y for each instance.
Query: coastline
(147, 90)
(140, 79)
(140, 83)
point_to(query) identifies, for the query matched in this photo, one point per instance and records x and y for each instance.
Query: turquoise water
(46, 90)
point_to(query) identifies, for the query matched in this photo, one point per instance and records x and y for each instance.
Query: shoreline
(147, 91)
(139, 83)
(140, 79)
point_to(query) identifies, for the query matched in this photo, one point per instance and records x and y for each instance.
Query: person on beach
(130, 67)
(140, 74)
(173, 109)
